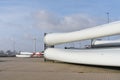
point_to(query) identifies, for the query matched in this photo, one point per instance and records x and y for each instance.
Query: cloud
(53, 23)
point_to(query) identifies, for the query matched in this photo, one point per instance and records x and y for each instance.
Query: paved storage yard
(37, 69)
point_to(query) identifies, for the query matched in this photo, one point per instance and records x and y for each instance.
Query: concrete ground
(37, 69)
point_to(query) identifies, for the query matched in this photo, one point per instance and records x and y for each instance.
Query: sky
(22, 21)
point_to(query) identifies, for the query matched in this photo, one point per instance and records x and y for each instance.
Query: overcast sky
(23, 20)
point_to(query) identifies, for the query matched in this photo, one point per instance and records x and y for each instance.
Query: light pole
(108, 21)
(34, 39)
(108, 17)
(13, 44)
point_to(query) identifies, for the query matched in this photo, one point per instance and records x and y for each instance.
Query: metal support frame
(46, 46)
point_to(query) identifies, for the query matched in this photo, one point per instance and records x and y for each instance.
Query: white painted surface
(103, 57)
(23, 56)
(106, 43)
(90, 33)
(26, 53)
